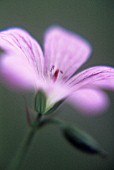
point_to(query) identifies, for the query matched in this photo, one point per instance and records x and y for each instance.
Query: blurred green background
(93, 19)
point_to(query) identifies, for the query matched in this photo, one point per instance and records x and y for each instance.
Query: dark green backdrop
(95, 20)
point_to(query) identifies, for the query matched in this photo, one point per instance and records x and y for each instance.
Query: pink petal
(89, 101)
(22, 62)
(65, 51)
(98, 76)
(55, 92)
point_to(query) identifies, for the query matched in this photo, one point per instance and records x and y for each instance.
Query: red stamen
(55, 75)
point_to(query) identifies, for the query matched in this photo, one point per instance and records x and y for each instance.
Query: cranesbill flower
(24, 66)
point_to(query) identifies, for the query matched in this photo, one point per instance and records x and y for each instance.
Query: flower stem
(23, 149)
(18, 160)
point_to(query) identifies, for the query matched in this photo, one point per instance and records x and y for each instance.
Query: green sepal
(54, 107)
(82, 141)
(40, 102)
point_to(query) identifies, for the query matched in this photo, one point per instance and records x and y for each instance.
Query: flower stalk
(18, 160)
(23, 150)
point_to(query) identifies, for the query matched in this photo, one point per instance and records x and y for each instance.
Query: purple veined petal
(89, 101)
(97, 76)
(64, 51)
(22, 62)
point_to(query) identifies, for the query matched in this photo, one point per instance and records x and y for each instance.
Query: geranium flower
(24, 66)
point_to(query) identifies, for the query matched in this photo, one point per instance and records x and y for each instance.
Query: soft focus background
(93, 19)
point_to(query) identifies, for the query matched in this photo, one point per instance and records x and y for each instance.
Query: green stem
(23, 149)
(17, 162)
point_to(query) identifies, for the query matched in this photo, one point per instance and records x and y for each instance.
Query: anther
(54, 73)
(52, 68)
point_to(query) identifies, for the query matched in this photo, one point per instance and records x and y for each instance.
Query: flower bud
(82, 141)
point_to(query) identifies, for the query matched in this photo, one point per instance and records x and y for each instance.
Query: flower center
(54, 73)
